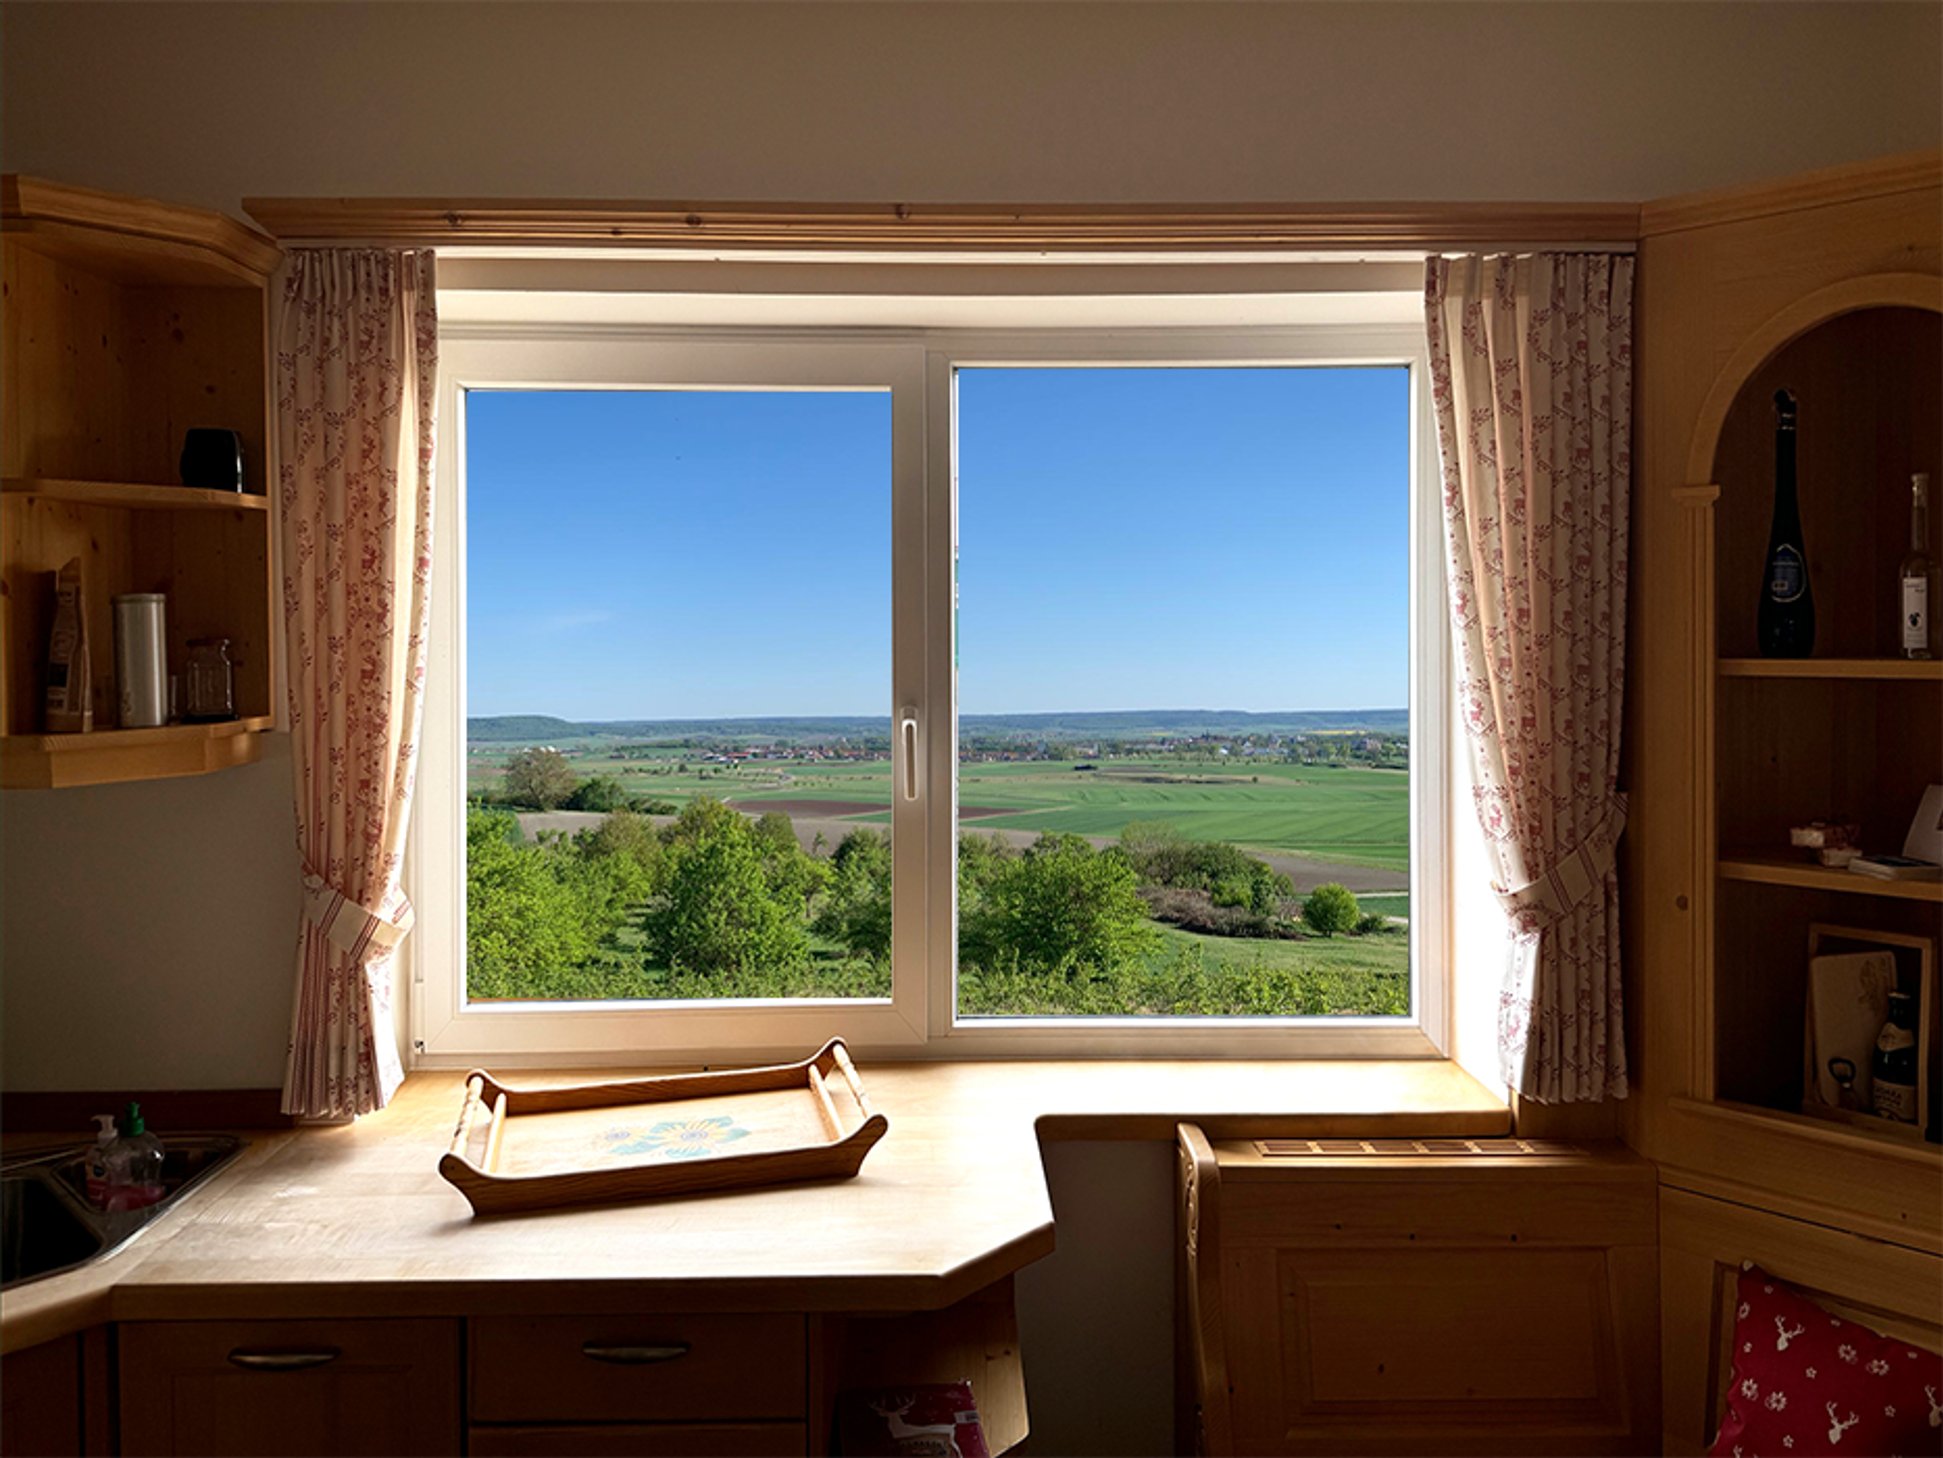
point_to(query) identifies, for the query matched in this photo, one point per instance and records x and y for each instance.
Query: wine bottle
(1916, 572)
(1787, 618)
(1893, 1076)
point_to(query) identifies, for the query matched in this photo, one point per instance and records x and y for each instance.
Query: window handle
(634, 1354)
(908, 730)
(290, 1361)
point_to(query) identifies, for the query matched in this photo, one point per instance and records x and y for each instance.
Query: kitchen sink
(47, 1225)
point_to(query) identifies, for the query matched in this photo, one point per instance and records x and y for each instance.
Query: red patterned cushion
(1808, 1382)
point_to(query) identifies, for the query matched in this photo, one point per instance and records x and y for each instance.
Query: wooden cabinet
(1419, 1297)
(40, 1400)
(1832, 287)
(127, 323)
(290, 1387)
(641, 1440)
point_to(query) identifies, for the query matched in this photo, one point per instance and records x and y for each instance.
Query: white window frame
(919, 368)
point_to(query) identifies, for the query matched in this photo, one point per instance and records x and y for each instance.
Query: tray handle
(831, 1124)
(469, 1115)
(841, 1057)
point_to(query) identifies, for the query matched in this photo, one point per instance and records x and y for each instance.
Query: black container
(212, 460)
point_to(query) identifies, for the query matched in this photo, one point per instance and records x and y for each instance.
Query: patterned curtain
(357, 366)
(1532, 378)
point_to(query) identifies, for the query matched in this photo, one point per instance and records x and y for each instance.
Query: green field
(1355, 816)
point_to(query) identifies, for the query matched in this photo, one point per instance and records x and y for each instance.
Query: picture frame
(1915, 962)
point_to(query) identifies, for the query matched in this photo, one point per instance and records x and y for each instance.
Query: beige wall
(146, 926)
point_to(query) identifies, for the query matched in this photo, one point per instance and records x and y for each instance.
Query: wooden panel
(876, 226)
(99, 1435)
(135, 239)
(67, 372)
(198, 360)
(40, 1400)
(641, 1440)
(386, 1387)
(536, 1369)
(974, 1340)
(1478, 1305)
(1703, 1243)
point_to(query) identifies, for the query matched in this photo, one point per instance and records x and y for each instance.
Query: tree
(1331, 908)
(719, 910)
(541, 778)
(857, 910)
(1061, 908)
(523, 922)
(601, 793)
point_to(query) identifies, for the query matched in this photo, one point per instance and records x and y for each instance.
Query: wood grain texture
(134, 240)
(387, 1388)
(640, 1440)
(1704, 1241)
(546, 1369)
(1206, 1422)
(1128, 228)
(1722, 754)
(41, 1400)
(355, 1220)
(1474, 1304)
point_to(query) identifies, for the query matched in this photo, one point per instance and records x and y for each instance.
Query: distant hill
(1122, 724)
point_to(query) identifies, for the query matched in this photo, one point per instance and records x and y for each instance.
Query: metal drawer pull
(635, 1354)
(283, 1361)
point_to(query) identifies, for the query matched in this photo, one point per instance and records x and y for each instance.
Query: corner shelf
(1898, 670)
(1781, 871)
(133, 494)
(108, 756)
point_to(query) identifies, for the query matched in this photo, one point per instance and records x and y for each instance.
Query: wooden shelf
(1782, 871)
(1907, 1142)
(1919, 670)
(135, 240)
(108, 756)
(133, 494)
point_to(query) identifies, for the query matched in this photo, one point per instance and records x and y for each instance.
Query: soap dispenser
(96, 1166)
(134, 1164)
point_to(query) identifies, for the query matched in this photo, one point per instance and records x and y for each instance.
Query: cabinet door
(642, 1440)
(277, 1388)
(40, 1400)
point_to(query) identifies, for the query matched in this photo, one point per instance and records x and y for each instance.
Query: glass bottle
(1786, 622)
(211, 681)
(1915, 572)
(1894, 1068)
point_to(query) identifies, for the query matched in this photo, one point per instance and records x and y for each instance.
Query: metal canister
(142, 659)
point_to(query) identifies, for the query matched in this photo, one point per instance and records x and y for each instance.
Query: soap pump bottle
(96, 1165)
(134, 1164)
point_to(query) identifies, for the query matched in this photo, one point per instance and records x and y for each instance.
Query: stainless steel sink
(47, 1225)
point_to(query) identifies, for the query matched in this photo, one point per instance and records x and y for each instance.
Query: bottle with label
(1916, 572)
(1786, 621)
(95, 1167)
(1894, 1067)
(134, 1165)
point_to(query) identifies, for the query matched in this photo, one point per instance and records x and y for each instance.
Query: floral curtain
(357, 365)
(1531, 376)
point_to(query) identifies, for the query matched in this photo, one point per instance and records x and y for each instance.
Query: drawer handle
(283, 1361)
(634, 1354)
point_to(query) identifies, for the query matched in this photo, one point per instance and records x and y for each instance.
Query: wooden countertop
(355, 1221)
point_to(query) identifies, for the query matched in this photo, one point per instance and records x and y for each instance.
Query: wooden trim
(1877, 669)
(26, 202)
(1851, 182)
(133, 494)
(171, 1110)
(1871, 291)
(1116, 228)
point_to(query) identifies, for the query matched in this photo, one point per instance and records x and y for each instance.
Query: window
(951, 690)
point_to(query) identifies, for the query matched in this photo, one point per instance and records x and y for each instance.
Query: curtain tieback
(353, 928)
(1576, 877)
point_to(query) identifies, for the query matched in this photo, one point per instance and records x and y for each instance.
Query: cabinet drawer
(290, 1387)
(642, 1440)
(613, 1368)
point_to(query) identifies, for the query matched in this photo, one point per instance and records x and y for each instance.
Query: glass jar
(211, 681)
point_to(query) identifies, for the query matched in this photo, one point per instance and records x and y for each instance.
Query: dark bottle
(1893, 1072)
(1787, 617)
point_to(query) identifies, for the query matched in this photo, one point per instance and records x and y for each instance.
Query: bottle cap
(104, 1128)
(132, 1122)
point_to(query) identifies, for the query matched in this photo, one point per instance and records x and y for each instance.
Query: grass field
(1354, 816)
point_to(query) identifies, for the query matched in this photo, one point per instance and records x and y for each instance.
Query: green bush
(732, 900)
(1330, 908)
(1062, 908)
(601, 793)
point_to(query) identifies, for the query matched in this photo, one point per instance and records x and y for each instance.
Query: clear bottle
(211, 681)
(1894, 1067)
(1916, 572)
(134, 1165)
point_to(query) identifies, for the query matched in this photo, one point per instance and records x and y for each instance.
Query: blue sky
(1128, 539)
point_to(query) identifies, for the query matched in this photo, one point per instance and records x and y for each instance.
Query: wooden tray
(592, 1143)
